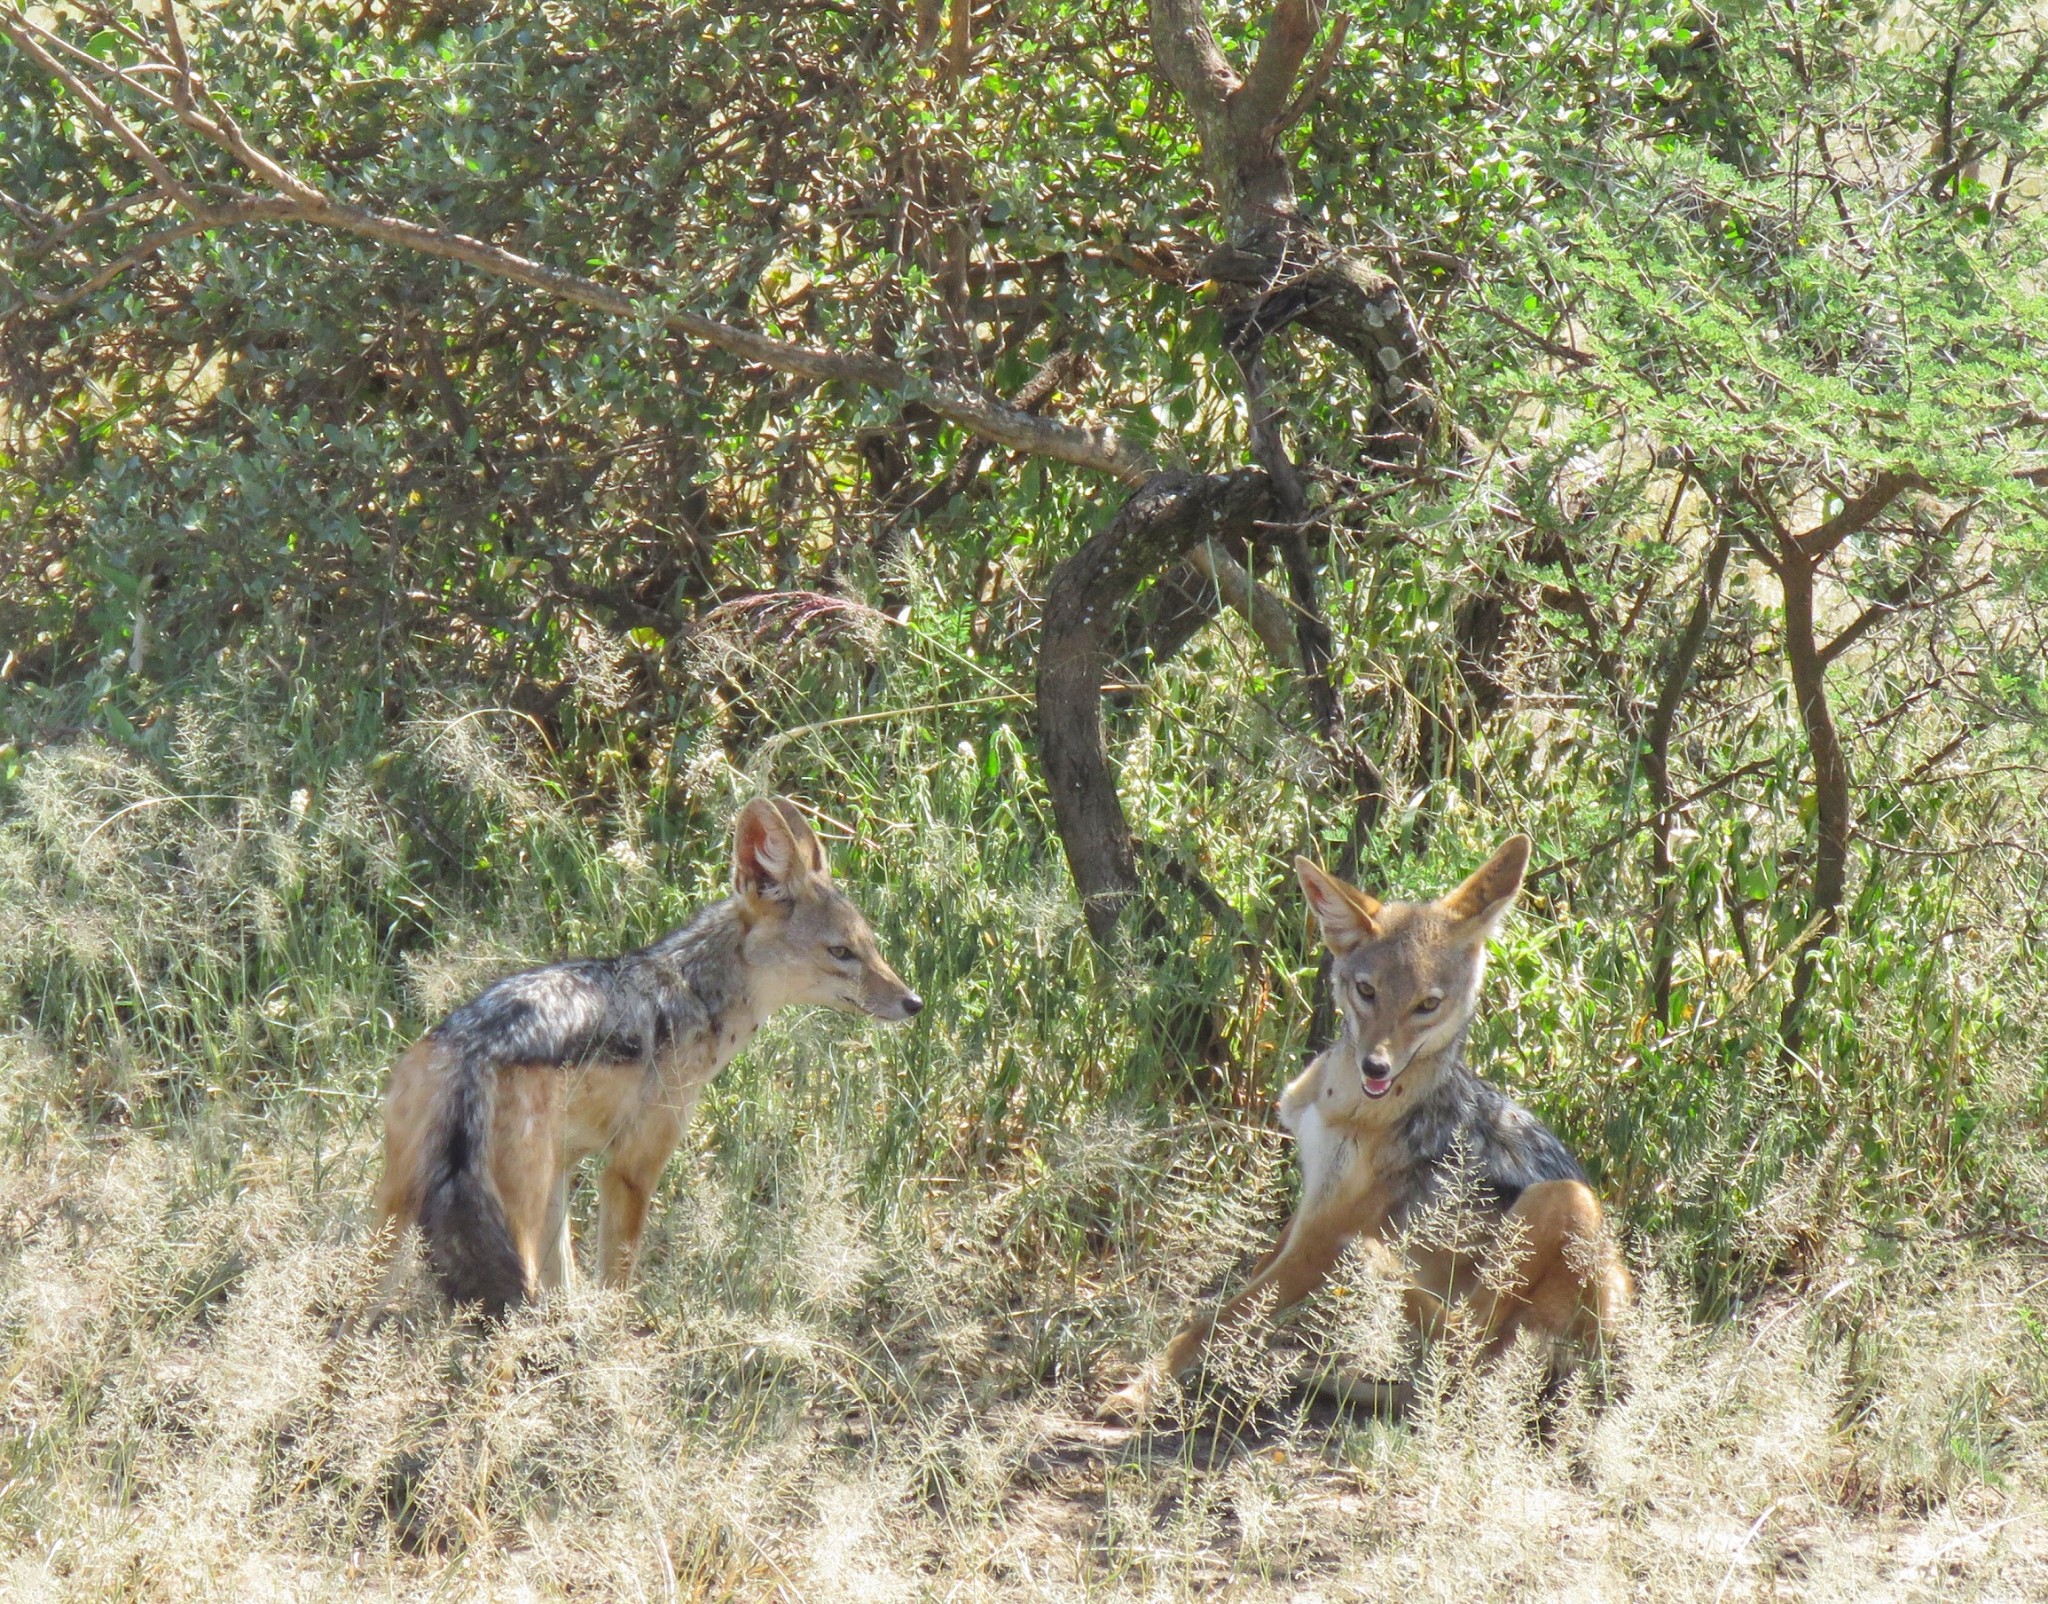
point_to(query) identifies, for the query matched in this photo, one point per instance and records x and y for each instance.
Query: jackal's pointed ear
(767, 862)
(1347, 915)
(1492, 888)
(807, 847)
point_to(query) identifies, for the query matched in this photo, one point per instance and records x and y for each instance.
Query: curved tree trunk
(1657, 767)
(1831, 796)
(1278, 271)
(1085, 601)
(1796, 559)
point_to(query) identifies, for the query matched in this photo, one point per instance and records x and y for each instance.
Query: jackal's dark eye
(840, 954)
(1429, 1005)
(1365, 991)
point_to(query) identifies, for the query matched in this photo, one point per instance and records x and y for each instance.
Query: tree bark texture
(1085, 602)
(1831, 782)
(1797, 561)
(1657, 767)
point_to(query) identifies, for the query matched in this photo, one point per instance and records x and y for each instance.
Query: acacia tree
(143, 90)
(1840, 391)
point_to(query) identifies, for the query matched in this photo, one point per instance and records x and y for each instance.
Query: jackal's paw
(1131, 1403)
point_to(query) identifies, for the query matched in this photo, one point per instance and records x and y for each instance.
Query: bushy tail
(468, 1242)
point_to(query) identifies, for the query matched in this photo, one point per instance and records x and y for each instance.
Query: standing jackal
(489, 1114)
(1391, 1123)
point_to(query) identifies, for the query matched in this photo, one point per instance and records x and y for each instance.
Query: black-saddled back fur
(1465, 1130)
(628, 1009)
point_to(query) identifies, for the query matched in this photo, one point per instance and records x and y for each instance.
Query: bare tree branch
(1259, 607)
(1192, 59)
(1261, 102)
(1900, 594)
(1858, 513)
(180, 60)
(1550, 347)
(2016, 103)
(32, 41)
(205, 221)
(1312, 85)
(1656, 750)
(1760, 504)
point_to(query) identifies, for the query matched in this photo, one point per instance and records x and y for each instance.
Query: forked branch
(1263, 101)
(1901, 594)
(1858, 513)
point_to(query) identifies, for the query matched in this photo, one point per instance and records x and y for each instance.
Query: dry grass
(892, 1275)
(812, 1401)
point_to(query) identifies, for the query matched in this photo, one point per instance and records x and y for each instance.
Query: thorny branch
(1858, 513)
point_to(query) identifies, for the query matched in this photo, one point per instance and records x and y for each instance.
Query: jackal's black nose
(913, 1005)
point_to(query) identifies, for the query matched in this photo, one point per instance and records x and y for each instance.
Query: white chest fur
(1324, 1150)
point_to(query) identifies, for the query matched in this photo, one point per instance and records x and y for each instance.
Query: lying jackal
(489, 1114)
(1390, 1121)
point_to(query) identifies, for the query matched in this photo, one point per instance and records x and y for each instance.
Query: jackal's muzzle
(904, 1004)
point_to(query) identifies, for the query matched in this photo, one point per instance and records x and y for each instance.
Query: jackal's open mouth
(1377, 1085)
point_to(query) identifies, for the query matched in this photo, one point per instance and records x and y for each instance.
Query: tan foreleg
(1300, 1262)
(627, 1187)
